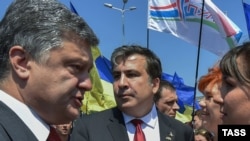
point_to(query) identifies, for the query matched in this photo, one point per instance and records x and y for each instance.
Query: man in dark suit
(137, 72)
(45, 58)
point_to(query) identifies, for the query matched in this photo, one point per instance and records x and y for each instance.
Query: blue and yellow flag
(185, 95)
(101, 96)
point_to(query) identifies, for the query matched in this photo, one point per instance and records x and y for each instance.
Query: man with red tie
(137, 75)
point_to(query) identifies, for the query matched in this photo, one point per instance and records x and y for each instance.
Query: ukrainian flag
(185, 95)
(101, 96)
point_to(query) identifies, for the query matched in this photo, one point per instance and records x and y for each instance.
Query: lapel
(118, 129)
(166, 132)
(11, 121)
(117, 126)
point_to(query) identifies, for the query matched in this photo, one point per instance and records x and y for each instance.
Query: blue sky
(176, 55)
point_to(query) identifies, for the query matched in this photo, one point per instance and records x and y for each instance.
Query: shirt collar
(150, 119)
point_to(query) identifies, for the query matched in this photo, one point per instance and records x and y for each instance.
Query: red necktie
(139, 135)
(53, 136)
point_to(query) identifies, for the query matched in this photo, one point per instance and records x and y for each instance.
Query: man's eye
(75, 68)
(131, 75)
(116, 76)
(170, 102)
(209, 96)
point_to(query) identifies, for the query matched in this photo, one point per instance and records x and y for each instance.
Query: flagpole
(198, 59)
(148, 28)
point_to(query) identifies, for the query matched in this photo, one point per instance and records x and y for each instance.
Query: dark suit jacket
(12, 128)
(109, 125)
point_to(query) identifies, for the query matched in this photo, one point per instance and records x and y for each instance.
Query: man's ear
(155, 84)
(19, 61)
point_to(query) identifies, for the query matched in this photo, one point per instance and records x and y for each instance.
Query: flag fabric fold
(182, 18)
(101, 96)
(72, 8)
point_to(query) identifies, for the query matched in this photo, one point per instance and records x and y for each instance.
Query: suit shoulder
(174, 122)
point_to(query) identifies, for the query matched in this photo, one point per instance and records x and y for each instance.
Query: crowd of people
(45, 58)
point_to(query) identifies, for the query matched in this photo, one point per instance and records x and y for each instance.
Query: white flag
(182, 18)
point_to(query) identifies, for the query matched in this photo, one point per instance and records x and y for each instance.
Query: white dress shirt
(150, 126)
(27, 115)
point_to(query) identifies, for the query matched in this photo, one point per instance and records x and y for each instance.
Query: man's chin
(74, 114)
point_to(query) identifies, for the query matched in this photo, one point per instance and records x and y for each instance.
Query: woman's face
(236, 102)
(236, 99)
(211, 107)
